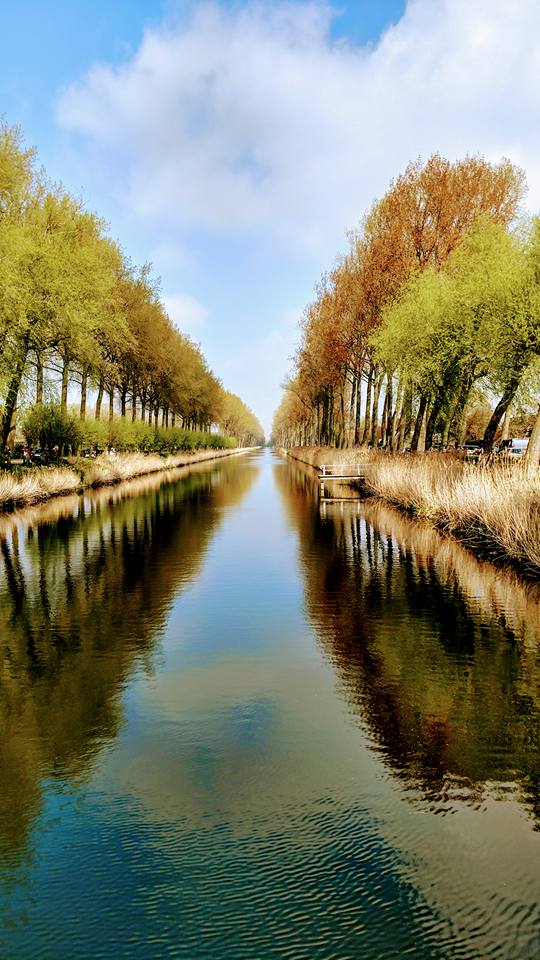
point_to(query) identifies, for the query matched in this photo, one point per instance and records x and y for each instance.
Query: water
(237, 724)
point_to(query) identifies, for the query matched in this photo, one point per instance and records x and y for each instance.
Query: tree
(73, 308)
(414, 228)
(238, 421)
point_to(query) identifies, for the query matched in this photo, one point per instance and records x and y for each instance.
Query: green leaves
(71, 303)
(478, 311)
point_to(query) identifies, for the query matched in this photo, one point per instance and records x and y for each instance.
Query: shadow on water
(436, 652)
(85, 587)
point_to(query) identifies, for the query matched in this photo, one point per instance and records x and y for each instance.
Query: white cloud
(254, 118)
(186, 313)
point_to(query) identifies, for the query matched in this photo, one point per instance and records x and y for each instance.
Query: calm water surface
(237, 724)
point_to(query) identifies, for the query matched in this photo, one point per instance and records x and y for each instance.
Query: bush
(94, 434)
(46, 425)
(128, 436)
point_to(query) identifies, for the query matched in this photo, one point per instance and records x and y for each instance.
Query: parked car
(514, 448)
(472, 449)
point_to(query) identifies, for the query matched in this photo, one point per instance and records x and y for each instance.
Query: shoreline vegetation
(423, 341)
(494, 510)
(40, 484)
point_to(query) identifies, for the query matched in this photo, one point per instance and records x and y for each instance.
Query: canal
(237, 724)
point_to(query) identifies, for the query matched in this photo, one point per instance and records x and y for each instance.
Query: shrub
(93, 434)
(127, 436)
(47, 425)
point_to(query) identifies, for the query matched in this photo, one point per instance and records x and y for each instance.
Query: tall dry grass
(496, 508)
(493, 508)
(37, 485)
(113, 468)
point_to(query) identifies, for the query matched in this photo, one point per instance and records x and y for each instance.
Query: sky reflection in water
(233, 726)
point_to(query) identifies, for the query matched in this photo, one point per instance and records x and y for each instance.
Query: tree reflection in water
(437, 652)
(85, 586)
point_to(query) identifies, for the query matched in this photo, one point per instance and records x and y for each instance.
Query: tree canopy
(438, 296)
(76, 314)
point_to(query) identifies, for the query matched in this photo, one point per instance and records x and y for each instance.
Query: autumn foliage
(436, 301)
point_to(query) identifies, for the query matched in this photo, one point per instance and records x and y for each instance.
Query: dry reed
(115, 467)
(494, 508)
(42, 483)
(37, 485)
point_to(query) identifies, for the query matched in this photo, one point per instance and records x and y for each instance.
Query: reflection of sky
(248, 595)
(184, 891)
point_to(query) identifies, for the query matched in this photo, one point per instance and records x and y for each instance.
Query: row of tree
(437, 297)
(76, 314)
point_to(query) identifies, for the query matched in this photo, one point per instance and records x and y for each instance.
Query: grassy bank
(38, 484)
(492, 509)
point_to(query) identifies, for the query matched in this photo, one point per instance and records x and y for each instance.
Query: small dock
(341, 473)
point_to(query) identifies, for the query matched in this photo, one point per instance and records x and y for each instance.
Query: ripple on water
(388, 812)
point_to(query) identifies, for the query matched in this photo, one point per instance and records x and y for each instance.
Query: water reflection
(436, 652)
(85, 587)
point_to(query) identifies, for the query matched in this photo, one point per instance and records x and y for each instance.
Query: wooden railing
(342, 471)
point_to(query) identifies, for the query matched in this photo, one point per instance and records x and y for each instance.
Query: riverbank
(494, 510)
(39, 484)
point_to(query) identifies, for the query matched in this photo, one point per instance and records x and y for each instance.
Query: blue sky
(233, 144)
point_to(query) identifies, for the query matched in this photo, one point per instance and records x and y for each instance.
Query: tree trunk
(358, 410)
(432, 422)
(13, 389)
(111, 404)
(506, 423)
(39, 378)
(324, 420)
(532, 457)
(367, 407)
(65, 383)
(99, 399)
(389, 411)
(331, 418)
(84, 390)
(459, 412)
(497, 415)
(405, 419)
(418, 423)
(446, 433)
(375, 410)
(352, 408)
(384, 419)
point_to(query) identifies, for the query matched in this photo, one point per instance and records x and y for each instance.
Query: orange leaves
(417, 224)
